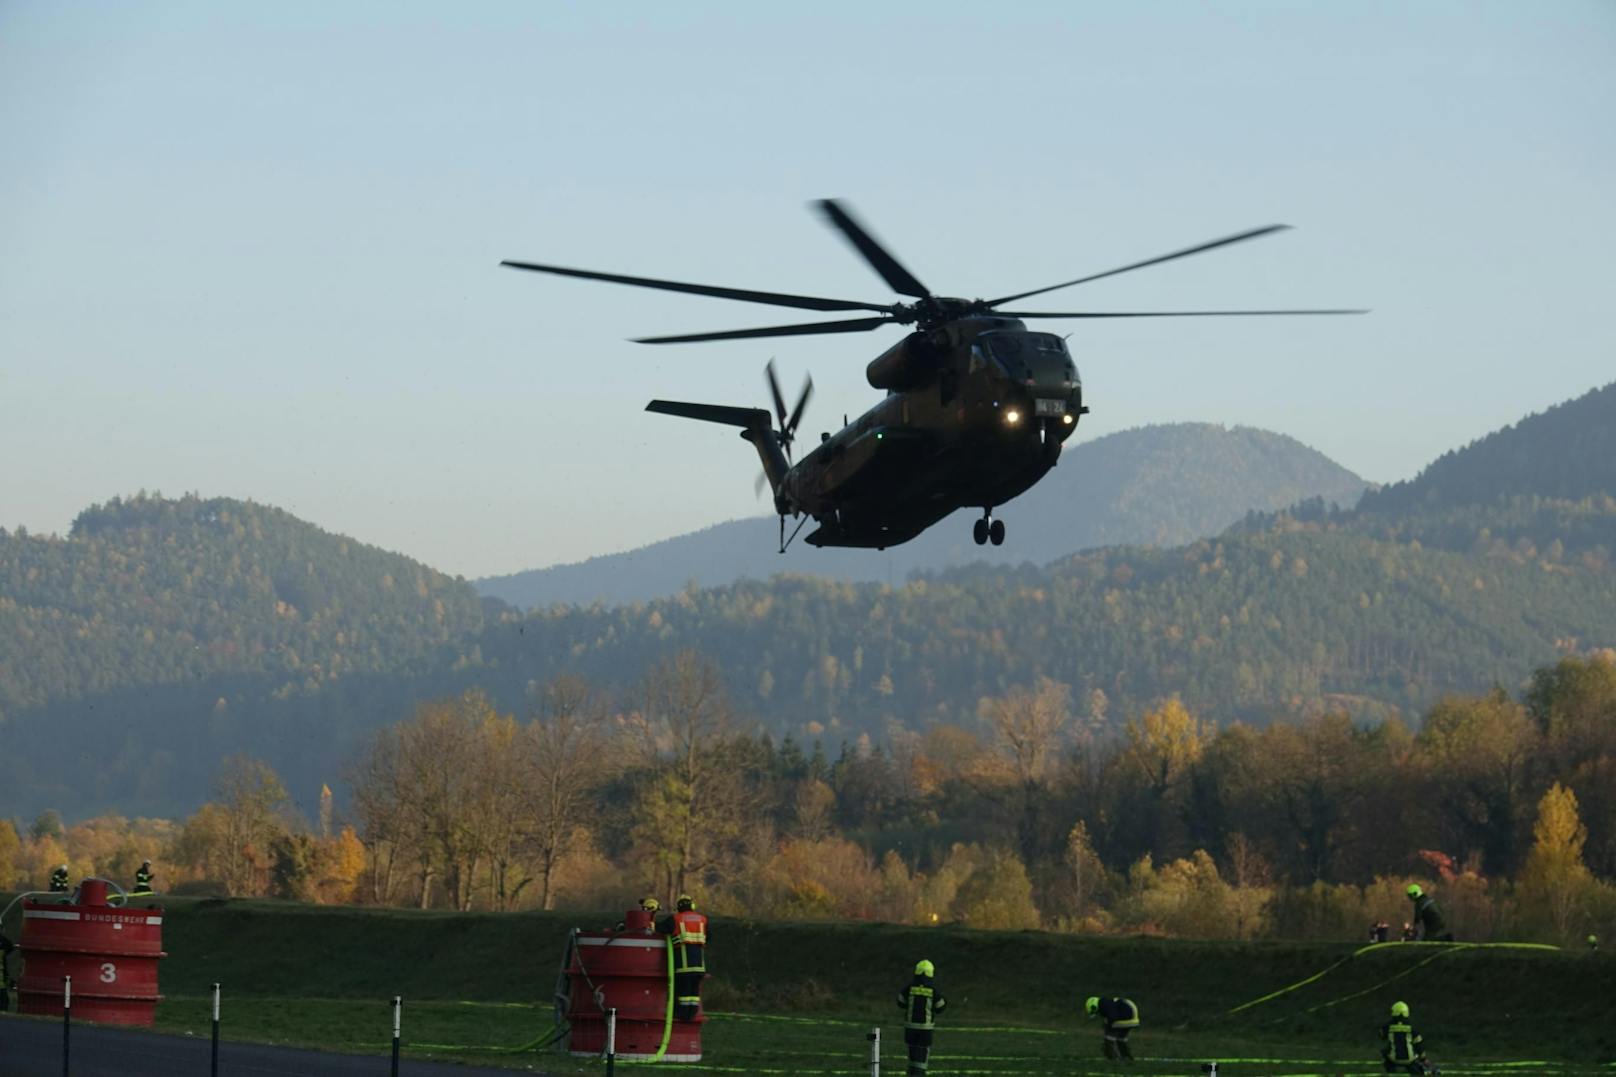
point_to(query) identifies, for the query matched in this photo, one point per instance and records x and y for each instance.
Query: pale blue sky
(252, 249)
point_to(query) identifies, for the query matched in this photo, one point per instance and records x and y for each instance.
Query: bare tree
(566, 748)
(254, 810)
(431, 789)
(1028, 728)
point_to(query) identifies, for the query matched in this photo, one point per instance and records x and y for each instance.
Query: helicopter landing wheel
(996, 532)
(979, 532)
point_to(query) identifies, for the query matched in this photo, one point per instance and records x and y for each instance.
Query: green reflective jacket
(921, 1003)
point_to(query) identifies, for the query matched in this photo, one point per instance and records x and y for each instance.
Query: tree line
(1036, 813)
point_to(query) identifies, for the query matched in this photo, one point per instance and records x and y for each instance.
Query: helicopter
(977, 406)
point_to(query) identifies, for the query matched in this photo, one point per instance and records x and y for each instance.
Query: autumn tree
(10, 854)
(437, 786)
(1555, 881)
(1028, 726)
(1476, 753)
(997, 895)
(692, 806)
(1160, 749)
(1573, 703)
(255, 810)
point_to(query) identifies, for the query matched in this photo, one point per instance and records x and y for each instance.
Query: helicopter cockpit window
(1007, 352)
(978, 360)
(1048, 343)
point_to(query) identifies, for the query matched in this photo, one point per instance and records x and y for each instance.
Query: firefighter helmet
(1091, 1005)
(1400, 1009)
(925, 968)
(1414, 891)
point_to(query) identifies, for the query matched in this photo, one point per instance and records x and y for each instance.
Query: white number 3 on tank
(109, 973)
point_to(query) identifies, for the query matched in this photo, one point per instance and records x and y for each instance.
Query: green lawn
(800, 997)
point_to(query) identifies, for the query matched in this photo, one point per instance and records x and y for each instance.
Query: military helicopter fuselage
(976, 411)
(975, 414)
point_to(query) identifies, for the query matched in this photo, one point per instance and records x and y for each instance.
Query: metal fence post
(611, 1041)
(67, 1022)
(875, 1051)
(398, 1015)
(215, 1071)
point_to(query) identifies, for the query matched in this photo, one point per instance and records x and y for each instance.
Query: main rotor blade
(776, 299)
(802, 405)
(850, 325)
(1161, 313)
(902, 281)
(1186, 252)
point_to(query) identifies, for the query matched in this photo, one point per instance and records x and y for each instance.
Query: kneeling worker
(1121, 1017)
(1428, 923)
(1404, 1048)
(920, 1003)
(688, 929)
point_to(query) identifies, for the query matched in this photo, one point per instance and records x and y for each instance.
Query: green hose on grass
(1446, 948)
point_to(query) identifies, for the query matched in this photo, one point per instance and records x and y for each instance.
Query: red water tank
(632, 971)
(110, 951)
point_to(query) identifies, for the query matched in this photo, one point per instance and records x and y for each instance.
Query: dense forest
(1161, 485)
(162, 635)
(150, 591)
(1566, 453)
(1028, 816)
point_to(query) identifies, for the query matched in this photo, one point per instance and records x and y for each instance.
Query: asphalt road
(33, 1048)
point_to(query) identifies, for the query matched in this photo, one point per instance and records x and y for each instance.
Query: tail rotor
(788, 421)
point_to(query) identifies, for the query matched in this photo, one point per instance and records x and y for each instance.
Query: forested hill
(162, 636)
(1565, 453)
(1155, 486)
(149, 591)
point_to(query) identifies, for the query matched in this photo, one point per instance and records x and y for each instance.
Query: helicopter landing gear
(987, 529)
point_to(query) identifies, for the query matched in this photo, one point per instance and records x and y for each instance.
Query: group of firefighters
(1402, 1048)
(687, 931)
(142, 888)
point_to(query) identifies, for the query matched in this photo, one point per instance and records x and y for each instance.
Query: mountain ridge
(1160, 485)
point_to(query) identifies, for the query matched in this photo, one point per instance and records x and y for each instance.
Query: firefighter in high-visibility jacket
(1121, 1017)
(143, 880)
(921, 1002)
(1403, 1048)
(687, 930)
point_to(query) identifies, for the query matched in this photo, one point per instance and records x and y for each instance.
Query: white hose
(19, 897)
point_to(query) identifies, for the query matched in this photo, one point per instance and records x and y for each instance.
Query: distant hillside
(1565, 453)
(1154, 486)
(150, 591)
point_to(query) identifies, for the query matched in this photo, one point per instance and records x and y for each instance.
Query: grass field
(799, 998)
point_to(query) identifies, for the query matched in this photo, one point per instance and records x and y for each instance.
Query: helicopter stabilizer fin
(756, 427)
